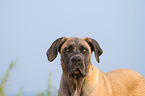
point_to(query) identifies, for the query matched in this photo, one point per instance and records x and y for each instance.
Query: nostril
(74, 60)
(79, 60)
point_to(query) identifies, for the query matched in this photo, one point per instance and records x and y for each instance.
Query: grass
(20, 92)
(4, 80)
(49, 89)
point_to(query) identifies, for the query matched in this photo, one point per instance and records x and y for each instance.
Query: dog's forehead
(76, 41)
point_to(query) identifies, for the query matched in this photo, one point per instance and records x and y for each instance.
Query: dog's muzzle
(76, 67)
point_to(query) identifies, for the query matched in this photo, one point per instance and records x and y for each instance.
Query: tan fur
(120, 82)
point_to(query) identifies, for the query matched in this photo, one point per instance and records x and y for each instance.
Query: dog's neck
(76, 84)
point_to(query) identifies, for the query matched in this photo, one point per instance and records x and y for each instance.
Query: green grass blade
(5, 79)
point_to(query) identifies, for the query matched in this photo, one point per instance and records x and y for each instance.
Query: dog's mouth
(77, 73)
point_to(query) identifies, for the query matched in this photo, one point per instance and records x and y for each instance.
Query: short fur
(120, 82)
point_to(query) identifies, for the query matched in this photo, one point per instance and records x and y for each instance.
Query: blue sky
(28, 28)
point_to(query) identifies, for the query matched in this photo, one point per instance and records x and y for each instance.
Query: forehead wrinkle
(76, 42)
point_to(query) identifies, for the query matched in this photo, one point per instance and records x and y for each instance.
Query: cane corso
(81, 78)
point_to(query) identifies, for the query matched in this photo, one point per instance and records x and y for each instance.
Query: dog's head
(75, 54)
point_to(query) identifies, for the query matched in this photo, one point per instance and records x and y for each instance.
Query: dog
(81, 78)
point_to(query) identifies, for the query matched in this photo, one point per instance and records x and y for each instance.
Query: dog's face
(75, 54)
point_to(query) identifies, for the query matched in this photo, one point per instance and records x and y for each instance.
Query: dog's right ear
(54, 48)
(95, 47)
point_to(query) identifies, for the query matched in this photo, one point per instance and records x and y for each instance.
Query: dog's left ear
(55, 48)
(94, 47)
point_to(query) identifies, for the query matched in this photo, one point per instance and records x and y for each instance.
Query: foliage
(20, 92)
(5, 79)
(49, 89)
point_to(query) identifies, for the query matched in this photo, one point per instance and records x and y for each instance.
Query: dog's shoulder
(124, 74)
(130, 78)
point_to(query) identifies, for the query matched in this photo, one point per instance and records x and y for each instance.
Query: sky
(28, 28)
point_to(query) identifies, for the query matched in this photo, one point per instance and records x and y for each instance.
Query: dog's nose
(76, 60)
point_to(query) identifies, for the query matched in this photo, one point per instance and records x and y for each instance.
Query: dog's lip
(77, 71)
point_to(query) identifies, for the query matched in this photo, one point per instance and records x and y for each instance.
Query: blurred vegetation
(49, 91)
(20, 92)
(5, 79)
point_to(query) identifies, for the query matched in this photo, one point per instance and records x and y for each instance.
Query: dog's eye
(68, 50)
(84, 51)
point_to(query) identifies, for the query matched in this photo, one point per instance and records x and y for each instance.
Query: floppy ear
(95, 47)
(54, 48)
